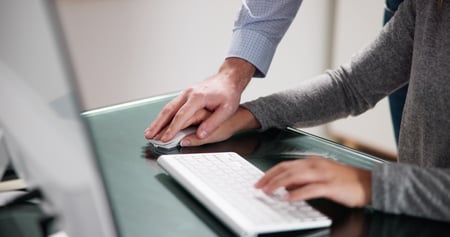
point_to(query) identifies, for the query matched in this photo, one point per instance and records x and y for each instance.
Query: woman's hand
(239, 121)
(318, 177)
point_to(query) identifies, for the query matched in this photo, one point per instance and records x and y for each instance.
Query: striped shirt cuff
(253, 47)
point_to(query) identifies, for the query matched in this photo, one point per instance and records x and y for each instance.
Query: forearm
(314, 102)
(237, 71)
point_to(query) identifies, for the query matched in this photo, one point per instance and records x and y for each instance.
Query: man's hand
(219, 94)
(319, 178)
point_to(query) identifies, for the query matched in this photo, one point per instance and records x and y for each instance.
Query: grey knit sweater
(414, 47)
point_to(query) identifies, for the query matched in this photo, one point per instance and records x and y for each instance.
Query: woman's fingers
(296, 175)
(300, 169)
(309, 191)
(319, 178)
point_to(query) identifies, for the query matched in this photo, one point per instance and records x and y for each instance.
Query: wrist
(237, 71)
(243, 120)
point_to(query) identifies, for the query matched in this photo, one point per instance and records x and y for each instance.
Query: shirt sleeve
(259, 28)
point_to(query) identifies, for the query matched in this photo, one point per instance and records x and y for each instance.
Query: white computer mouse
(174, 142)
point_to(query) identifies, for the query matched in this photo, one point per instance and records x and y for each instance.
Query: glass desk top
(148, 202)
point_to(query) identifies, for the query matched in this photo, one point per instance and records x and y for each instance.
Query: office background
(125, 50)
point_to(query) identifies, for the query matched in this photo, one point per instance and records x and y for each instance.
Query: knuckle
(166, 110)
(168, 131)
(199, 116)
(188, 90)
(197, 95)
(229, 108)
(284, 166)
(322, 191)
(288, 175)
(204, 113)
(180, 115)
(316, 162)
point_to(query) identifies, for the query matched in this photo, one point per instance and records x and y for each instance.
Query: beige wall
(126, 50)
(357, 23)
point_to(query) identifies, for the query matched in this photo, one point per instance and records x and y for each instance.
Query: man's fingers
(182, 116)
(165, 116)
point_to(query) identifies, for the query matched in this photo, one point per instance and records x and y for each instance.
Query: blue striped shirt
(260, 26)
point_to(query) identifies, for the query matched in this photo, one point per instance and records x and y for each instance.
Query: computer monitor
(40, 121)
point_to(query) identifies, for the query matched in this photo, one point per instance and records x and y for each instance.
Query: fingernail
(203, 134)
(185, 143)
(286, 197)
(164, 138)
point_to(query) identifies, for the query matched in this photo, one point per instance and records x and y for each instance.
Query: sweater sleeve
(412, 190)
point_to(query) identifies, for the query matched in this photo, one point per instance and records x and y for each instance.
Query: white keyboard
(224, 183)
